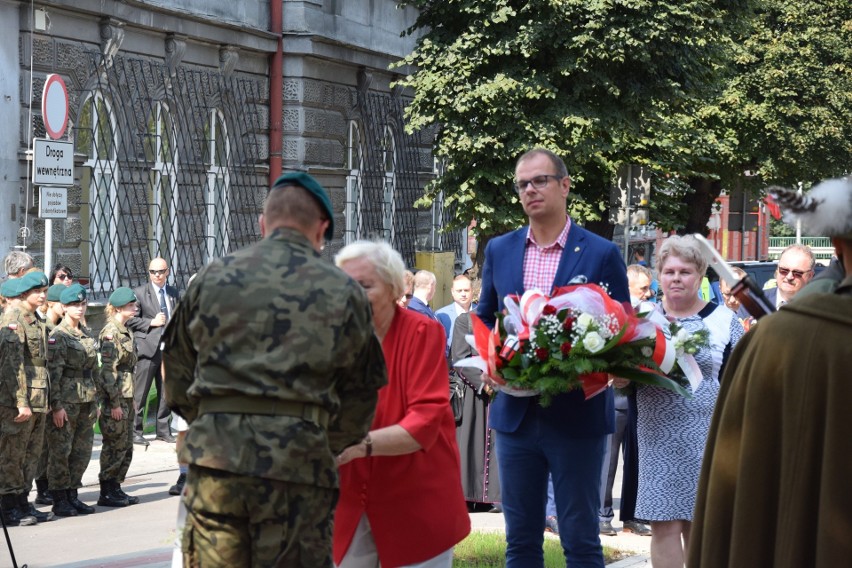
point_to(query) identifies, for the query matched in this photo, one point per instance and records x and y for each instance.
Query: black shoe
(167, 438)
(61, 506)
(140, 440)
(177, 488)
(27, 508)
(496, 508)
(12, 515)
(43, 496)
(130, 499)
(81, 507)
(109, 496)
(637, 528)
(551, 525)
(606, 529)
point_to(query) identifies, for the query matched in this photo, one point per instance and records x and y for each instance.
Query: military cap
(55, 291)
(121, 297)
(32, 280)
(10, 287)
(73, 294)
(314, 188)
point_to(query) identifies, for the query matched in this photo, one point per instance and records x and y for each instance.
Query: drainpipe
(276, 92)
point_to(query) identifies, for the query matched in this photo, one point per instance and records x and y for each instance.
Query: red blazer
(414, 502)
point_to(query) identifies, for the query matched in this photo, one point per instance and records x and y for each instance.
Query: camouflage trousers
(13, 450)
(241, 521)
(35, 445)
(117, 449)
(70, 447)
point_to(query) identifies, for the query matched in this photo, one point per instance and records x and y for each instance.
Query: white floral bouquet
(576, 338)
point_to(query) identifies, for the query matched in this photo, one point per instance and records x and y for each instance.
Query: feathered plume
(824, 211)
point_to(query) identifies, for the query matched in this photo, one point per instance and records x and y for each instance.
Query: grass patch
(488, 549)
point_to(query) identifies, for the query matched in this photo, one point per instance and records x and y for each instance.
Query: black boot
(81, 507)
(109, 497)
(177, 488)
(61, 506)
(28, 508)
(43, 497)
(130, 498)
(12, 515)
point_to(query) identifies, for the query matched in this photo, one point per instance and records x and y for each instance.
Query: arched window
(354, 195)
(217, 154)
(161, 153)
(96, 138)
(388, 195)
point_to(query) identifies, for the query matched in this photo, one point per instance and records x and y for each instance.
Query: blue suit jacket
(502, 274)
(418, 306)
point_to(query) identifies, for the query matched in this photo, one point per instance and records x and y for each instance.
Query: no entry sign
(54, 106)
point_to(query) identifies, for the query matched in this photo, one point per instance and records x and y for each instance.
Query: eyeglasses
(797, 274)
(538, 182)
(158, 272)
(62, 276)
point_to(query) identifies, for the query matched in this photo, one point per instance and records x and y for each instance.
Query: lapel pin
(576, 249)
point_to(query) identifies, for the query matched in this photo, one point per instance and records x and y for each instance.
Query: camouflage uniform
(13, 395)
(118, 357)
(24, 356)
(72, 361)
(272, 357)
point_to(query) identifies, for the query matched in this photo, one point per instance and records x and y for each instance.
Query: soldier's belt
(123, 369)
(36, 362)
(256, 405)
(77, 374)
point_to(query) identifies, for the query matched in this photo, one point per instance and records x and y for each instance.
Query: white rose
(593, 342)
(647, 351)
(584, 321)
(682, 336)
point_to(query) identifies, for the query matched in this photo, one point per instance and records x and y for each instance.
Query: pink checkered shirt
(541, 263)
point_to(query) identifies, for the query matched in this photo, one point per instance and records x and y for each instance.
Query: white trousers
(362, 552)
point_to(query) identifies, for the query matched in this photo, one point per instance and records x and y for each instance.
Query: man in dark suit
(424, 288)
(795, 269)
(568, 438)
(157, 300)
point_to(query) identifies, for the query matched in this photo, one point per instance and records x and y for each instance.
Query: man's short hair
(17, 262)
(424, 279)
(462, 277)
(292, 206)
(804, 249)
(639, 270)
(558, 165)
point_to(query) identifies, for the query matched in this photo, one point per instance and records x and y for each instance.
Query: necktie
(163, 306)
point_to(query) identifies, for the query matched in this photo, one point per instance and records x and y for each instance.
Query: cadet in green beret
(72, 361)
(54, 311)
(118, 358)
(277, 348)
(23, 396)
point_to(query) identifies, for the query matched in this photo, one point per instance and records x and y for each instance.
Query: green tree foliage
(600, 82)
(790, 99)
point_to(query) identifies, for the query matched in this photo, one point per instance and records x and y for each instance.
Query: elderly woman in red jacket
(401, 501)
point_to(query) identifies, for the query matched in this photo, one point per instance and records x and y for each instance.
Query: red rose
(568, 324)
(541, 353)
(548, 310)
(565, 348)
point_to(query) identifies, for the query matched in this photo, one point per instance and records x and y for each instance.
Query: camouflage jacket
(72, 361)
(273, 325)
(118, 358)
(24, 358)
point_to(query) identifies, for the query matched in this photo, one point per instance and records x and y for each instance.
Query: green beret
(73, 294)
(32, 280)
(121, 297)
(304, 180)
(10, 288)
(55, 291)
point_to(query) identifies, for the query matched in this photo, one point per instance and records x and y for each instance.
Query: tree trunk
(699, 205)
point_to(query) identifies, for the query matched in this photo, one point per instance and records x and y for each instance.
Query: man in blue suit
(567, 438)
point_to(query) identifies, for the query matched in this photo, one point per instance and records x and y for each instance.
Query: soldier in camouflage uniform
(52, 317)
(272, 359)
(118, 358)
(72, 361)
(23, 361)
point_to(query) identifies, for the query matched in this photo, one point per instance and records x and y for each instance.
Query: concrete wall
(11, 168)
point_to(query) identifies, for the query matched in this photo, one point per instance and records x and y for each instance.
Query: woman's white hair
(386, 261)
